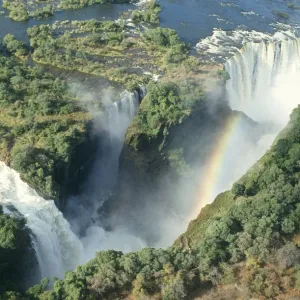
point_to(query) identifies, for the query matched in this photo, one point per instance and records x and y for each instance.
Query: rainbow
(212, 169)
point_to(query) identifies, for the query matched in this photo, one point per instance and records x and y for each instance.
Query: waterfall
(84, 217)
(265, 80)
(119, 115)
(113, 125)
(57, 248)
(264, 84)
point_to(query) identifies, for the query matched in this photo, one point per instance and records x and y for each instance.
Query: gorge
(216, 129)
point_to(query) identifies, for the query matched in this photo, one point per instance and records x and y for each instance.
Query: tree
(13, 46)
(288, 256)
(238, 189)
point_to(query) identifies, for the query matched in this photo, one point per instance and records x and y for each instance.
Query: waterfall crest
(264, 84)
(265, 80)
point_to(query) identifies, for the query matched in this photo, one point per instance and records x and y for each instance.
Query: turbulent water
(265, 75)
(57, 248)
(265, 80)
(83, 211)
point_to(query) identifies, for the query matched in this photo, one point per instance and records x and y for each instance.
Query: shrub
(163, 37)
(238, 189)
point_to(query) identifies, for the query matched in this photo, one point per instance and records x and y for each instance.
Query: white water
(120, 114)
(265, 80)
(114, 122)
(264, 84)
(57, 247)
(221, 45)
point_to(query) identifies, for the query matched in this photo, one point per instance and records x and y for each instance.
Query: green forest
(42, 126)
(248, 236)
(244, 245)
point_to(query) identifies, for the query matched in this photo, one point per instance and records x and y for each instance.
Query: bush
(148, 14)
(163, 37)
(238, 189)
(176, 54)
(19, 14)
(13, 46)
(45, 12)
(288, 256)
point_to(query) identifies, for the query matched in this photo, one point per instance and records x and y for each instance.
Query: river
(193, 20)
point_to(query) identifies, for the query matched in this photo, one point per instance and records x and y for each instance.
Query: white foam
(265, 79)
(221, 45)
(57, 248)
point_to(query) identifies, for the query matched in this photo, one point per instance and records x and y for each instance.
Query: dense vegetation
(15, 47)
(248, 236)
(110, 49)
(74, 4)
(98, 50)
(148, 14)
(166, 105)
(24, 10)
(18, 11)
(41, 125)
(17, 258)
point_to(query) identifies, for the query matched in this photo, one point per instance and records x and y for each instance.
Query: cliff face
(244, 245)
(156, 160)
(70, 177)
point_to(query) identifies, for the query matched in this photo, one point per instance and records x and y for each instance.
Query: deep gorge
(133, 170)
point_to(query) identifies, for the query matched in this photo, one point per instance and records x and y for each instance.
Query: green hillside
(244, 245)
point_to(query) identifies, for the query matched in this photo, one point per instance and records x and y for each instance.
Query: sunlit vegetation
(165, 105)
(75, 4)
(41, 125)
(24, 10)
(43, 12)
(111, 50)
(100, 51)
(15, 47)
(18, 11)
(249, 236)
(148, 14)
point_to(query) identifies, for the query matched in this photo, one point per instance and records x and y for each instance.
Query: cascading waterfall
(113, 123)
(57, 248)
(264, 84)
(120, 114)
(265, 80)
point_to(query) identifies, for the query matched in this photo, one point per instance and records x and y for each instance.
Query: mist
(262, 92)
(112, 113)
(264, 85)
